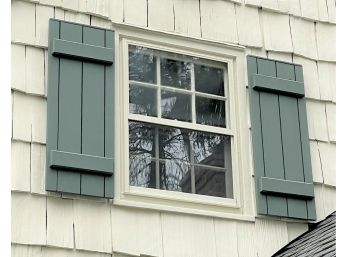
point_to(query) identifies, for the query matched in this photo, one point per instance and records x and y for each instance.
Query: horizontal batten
(84, 52)
(288, 188)
(81, 162)
(277, 85)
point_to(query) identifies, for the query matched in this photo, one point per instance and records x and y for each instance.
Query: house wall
(52, 224)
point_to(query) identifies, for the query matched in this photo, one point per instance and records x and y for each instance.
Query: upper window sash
(211, 61)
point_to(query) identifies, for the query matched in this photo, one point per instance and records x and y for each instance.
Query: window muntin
(184, 90)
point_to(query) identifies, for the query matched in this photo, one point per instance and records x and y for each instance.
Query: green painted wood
(69, 130)
(261, 200)
(294, 189)
(276, 85)
(81, 155)
(93, 112)
(82, 52)
(271, 137)
(306, 157)
(52, 108)
(109, 114)
(272, 148)
(81, 162)
(281, 163)
(291, 139)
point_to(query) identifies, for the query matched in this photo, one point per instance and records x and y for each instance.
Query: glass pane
(175, 73)
(209, 80)
(175, 106)
(142, 64)
(142, 170)
(141, 139)
(210, 182)
(210, 111)
(174, 144)
(209, 149)
(175, 176)
(142, 100)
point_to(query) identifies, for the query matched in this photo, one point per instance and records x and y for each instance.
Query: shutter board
(280, 139)
(261, 200)
(52, 108)
(109, 114)
(80, 105)
(93, 112)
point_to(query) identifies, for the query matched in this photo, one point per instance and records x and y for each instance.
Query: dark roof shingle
(318, 241)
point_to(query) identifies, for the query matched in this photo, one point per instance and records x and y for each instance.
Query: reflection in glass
(174, 159)
(210, 111)
(173, 175)
(210, 182)
(174, 144)
(142, 172)
(142, 64)
(142, 100)
(209, 149)
(175, 106)
(175, 73)
(209, 80)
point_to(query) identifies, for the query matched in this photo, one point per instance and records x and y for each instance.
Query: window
(186, 91)
(178, 141)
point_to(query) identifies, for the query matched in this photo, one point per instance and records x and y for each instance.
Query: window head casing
(179, 102)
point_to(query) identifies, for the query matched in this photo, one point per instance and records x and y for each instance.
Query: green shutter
(80, 115)
(282, 166)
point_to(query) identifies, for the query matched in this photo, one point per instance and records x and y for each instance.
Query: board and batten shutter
(80, 111)
(281, 153)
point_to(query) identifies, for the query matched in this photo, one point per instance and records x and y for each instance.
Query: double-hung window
(179, 136)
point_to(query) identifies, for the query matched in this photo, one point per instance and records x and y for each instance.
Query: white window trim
(234, 56)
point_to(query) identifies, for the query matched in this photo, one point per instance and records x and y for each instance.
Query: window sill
(137, 202)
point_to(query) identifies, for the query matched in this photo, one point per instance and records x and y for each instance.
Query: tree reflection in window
(173, 159)
(186, 89)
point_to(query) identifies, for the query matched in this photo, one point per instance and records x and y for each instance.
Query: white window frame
(234, 57)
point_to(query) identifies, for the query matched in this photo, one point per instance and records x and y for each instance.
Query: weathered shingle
(187, 17)
(328, 162)
(43, 14)
(248, 25)
(18, 67)
(326, 41)
(20, 31)
(161, 14)
(218, 21)
(135, 12)
(319, 240)
(28, 220)
(20, 164)
(317, 124)
(273, 232)
(276, 31)
(29, 118)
